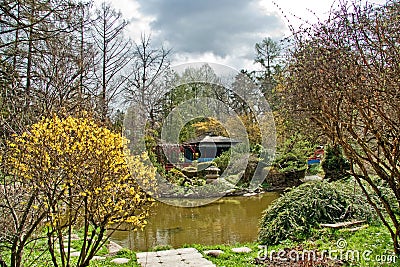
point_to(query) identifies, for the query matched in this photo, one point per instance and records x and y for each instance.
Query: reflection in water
(227, 221)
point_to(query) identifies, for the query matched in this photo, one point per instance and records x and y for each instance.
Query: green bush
(335, 164)
(237, 152)
(290, 162)
(177, 177)
(297, 212)
(314, 169)
(292, 155)
(176, 173)
(223, 160)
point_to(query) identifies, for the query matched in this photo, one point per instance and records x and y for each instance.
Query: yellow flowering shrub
(82, 174)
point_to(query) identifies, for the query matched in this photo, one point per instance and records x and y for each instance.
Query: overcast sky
(218, 31)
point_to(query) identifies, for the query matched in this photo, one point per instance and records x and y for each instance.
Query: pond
(228, 220)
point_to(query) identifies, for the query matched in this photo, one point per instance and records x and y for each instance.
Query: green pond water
(228, 220)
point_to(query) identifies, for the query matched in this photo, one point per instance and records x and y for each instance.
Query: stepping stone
(144, 255)
(113, 248)
(75, 254)
(184, 257)
(71, 249)
(190, 256)
(242, 250)
(120, 260)
(171, 259)
(181, 251)
(199, 262)
(74, 237)
(163, 253)
(98, 258)
(149, 262)
(213, 252)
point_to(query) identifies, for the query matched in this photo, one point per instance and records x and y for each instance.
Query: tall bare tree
(39, 45)
(40, 76)
(149, 68)
(114, 55)
(343, 76)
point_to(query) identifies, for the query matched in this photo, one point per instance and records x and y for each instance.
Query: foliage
(293, 154)
(335, 165)
(374, 238)
(175, 172)
(209, 126)
(187, 88)
(314, 169)
(250, 123)
(386, 191)
(343, 78)
(222, 160)
(267, 52)
(77, 173)
(267, 55)
(176, 176)
(290, 162)
(297, 212)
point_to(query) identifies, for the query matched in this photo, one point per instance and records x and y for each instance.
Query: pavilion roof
(216, 139)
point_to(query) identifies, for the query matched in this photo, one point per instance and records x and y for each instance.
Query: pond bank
(370, 246)
(226, 220)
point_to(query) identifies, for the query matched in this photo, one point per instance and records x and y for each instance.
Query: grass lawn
(370, 246)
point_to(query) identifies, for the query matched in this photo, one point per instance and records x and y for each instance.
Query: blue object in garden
(313, 161)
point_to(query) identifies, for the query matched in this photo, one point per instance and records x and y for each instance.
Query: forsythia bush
(79, 155)
(80, 173)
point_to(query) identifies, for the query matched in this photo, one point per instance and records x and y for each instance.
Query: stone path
(182, 257)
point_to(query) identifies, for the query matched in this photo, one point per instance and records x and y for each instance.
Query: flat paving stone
(191, 256)
(167, 252)
(182, 251)
(242, 250)
(183, 257)
(171, 258)
(120, 260)
(213, 252)
(202, 263)
(98, 258)
(75, 254)
(71, 249)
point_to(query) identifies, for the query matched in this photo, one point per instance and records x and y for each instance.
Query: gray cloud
(222, 27)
